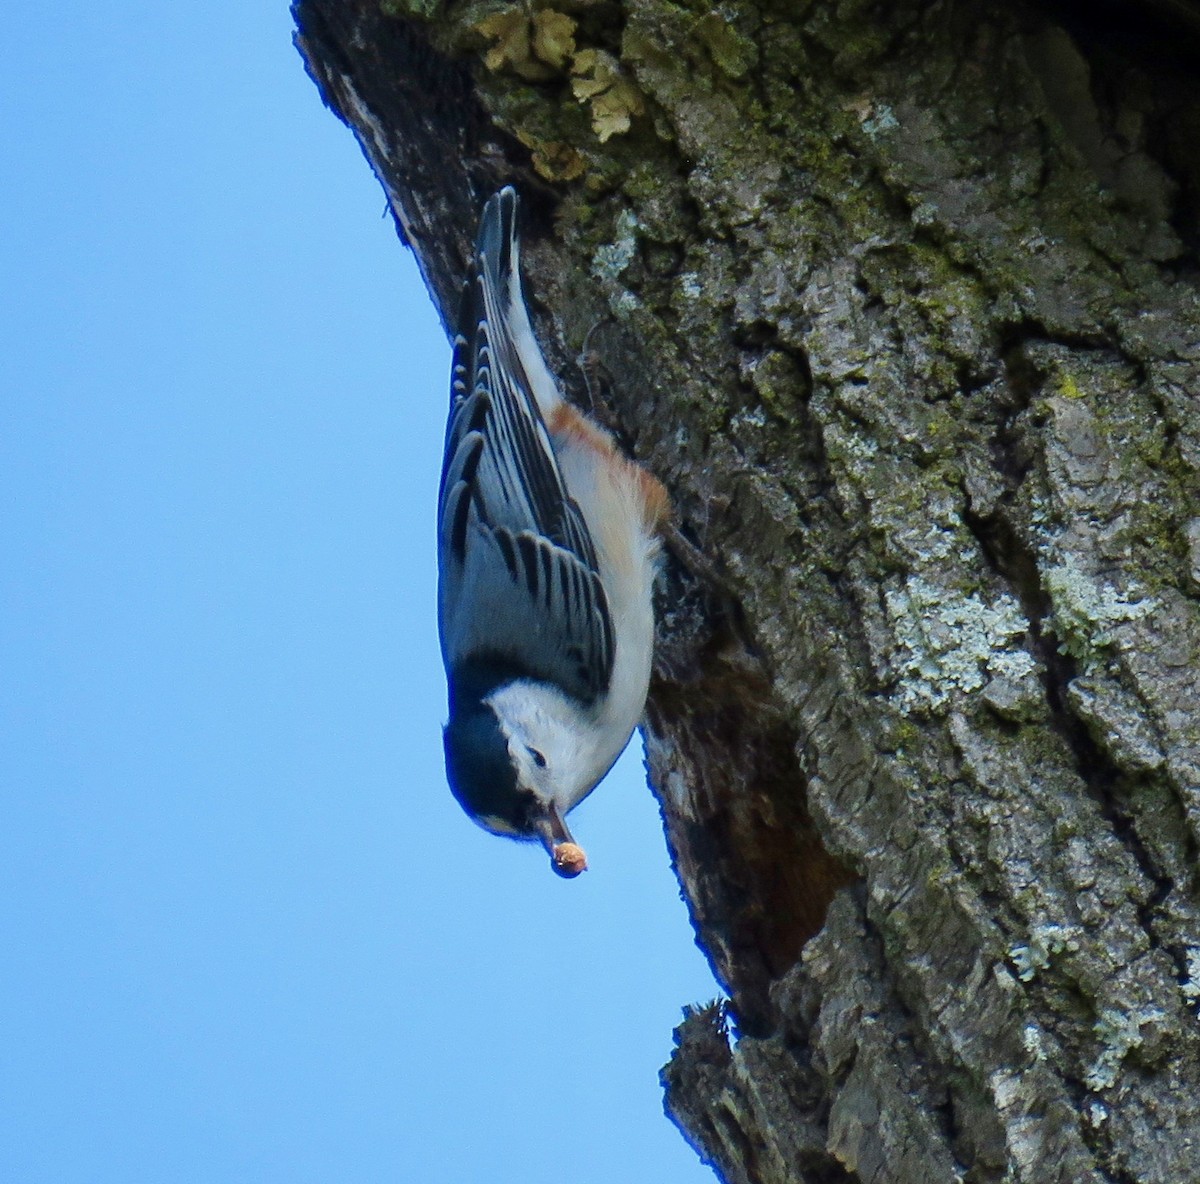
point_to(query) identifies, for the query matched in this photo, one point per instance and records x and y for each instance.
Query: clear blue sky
(247, 934)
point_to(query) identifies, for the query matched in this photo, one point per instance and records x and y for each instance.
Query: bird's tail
(498, 262)
(498, 248)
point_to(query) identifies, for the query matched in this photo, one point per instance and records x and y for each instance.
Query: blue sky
(248, 935)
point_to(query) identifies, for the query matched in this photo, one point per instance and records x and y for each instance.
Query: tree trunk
(900, 302)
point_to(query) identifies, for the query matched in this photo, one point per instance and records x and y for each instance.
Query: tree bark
(900, 302)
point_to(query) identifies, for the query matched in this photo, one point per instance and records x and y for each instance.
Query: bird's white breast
(609, 491)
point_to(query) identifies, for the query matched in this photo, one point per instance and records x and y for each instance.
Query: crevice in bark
(928, 1071)
(1015, 563)
(1109, 786)
(721, 734)
(1011, 559)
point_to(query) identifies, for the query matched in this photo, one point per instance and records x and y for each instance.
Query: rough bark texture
(902, 307)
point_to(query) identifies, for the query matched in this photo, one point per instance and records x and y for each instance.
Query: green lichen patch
(1045, 942)
(535, 46)
(950, 644)
(1118, 1034)
(1087, 611)
(610, 259)
(553, 160)
(612, 96)
(734, 54)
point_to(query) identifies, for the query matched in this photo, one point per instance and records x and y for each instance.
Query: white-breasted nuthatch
(547, 554)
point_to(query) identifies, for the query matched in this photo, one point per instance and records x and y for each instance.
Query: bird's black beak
(566, 856)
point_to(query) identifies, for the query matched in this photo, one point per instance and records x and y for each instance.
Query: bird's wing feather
(519, 585)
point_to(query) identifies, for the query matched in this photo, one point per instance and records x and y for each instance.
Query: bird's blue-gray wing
(519, 591)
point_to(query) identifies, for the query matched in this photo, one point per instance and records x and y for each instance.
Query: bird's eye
(538, 759)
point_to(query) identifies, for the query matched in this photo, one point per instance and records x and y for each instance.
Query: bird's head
(510, 770)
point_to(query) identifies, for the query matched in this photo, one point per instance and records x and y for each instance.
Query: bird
(548, 547)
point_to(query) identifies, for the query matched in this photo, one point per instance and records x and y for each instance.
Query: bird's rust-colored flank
(566, 422)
